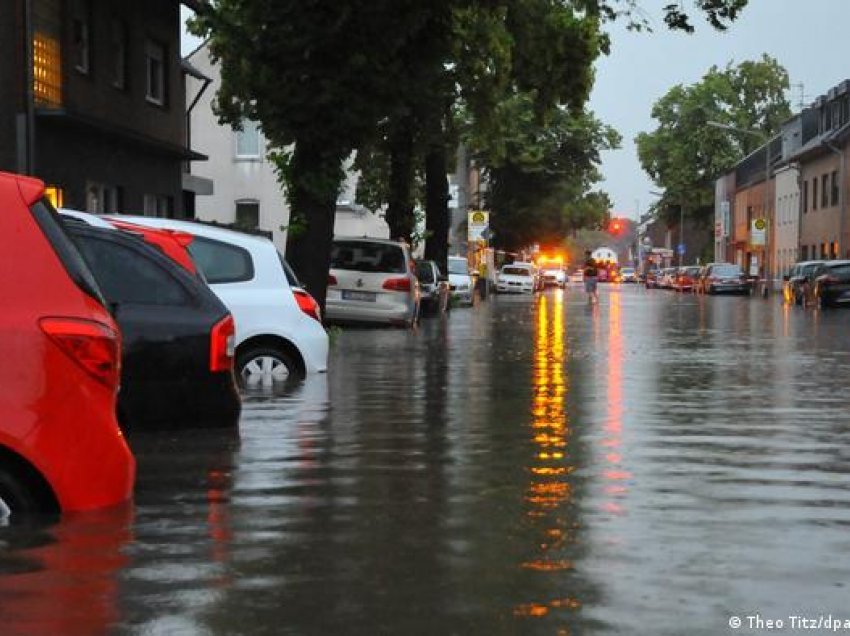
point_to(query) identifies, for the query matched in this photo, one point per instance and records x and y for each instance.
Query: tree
(319, 77)
(684, 155)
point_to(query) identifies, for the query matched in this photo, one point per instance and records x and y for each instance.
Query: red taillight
(96, 347)
(307, 304)
(222, 344)
(397, 284)
(331, 280)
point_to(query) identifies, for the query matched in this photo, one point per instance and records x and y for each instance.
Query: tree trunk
(436, 207)
(308, 247)
(399, 214)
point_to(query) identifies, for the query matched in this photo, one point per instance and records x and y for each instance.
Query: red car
(60, 445)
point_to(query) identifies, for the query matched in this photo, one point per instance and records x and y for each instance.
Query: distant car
(832, 284)
(61, 449)
(554, 275)
(666, 276)
(684, 278)
(517, 278)
(799, 281)
(720, 278)
(628, 275)
(577, 276)
(178, 337)
(372, 281)
(651, 278)
(461, 280)
(433, 286)
(279, 332)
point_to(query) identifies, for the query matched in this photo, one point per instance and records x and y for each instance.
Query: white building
(787, 206)
(245, 188)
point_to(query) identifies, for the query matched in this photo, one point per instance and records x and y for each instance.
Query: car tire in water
(15, 498)
(266, 368)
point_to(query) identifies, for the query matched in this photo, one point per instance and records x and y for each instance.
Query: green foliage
(684, 154)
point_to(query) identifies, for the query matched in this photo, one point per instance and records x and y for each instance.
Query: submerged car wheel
(266, 368)
(15, 498)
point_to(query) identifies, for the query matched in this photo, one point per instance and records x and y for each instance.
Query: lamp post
(766, 141)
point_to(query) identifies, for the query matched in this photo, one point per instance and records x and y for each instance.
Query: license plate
(369, 297)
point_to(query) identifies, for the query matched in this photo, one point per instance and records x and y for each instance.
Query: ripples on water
(652, 465)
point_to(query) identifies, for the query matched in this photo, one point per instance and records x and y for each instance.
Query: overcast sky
(808, 37)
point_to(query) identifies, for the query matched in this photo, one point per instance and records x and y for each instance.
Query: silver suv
(372, 281)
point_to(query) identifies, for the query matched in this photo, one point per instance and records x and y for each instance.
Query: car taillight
(222, 344)
(307, 304)
(397, 284)
(96, 347)
(331, 280)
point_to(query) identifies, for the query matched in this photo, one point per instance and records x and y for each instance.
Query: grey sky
(808, 37)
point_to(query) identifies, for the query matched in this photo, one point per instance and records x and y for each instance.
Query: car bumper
(382, 311)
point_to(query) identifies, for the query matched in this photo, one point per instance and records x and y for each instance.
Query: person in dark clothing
(591, 278)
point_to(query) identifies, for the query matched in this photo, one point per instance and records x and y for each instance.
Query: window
(119, 54)
(248, 140)
(155, 72)
(102, 198)
(824, 191)
(805, 253)
(824, 253)
(128, 276)
(836, 114)
(158, 205)
(805, 196)
(80, 51)
(248, 214)
(47, 70)
(834, 187)
(815, 193)
(221, 262)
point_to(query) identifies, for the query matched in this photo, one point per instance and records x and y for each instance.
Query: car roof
(368, 239)
(199, 229)
(87, 217)
(837, 263)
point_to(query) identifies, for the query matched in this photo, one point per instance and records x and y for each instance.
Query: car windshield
(691, 271)
(839, 270)
(367, 256)
(628, 270)
(458, 266)
(516, 271)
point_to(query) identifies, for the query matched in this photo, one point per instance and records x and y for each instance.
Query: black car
(799, 280)
(719, 278)
(832, 284)
(433, 286)
(177, 336)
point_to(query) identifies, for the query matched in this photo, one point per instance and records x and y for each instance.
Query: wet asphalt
(657, 464)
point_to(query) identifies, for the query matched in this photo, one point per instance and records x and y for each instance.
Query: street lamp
(764, 139)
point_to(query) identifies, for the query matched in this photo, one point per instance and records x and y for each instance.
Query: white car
(279, 333)
(461, 282)
(554, 276)
(372, 281)
(628, 275)
(517, 278)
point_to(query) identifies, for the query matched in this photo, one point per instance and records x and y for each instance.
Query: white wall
(787, 220)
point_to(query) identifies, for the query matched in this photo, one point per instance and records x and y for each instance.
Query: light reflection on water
(653, 464)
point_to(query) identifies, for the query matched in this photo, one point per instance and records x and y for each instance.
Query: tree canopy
(685, 154)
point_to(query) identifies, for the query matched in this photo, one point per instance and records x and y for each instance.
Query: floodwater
(657, 464)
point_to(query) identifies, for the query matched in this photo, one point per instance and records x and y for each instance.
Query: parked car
(651, 278)
(628, 275)
(719, 278)
(684, 278)
(433, 286)
(178, 337)
(279, 333)
(372, 281)
(60, 445)
(799, 282)
(461, 280)
(665, 277)
(832, 284)
(554, 275)
(516, 278)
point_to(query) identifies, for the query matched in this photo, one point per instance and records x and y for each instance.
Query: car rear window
(840, 270)
(291, 278)
(51, 224)
(458, 266)
(221, 262)
(364, 256)
(424, 272)
(516, 271)
(726, 270)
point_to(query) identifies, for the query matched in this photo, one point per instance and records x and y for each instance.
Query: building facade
(95, 103)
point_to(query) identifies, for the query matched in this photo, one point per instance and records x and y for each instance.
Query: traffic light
(615, 226)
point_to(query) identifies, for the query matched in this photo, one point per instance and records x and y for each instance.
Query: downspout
(206, 82)
(800, 204)
(841, 197)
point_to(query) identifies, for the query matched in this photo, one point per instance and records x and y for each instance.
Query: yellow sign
(477, 223)
(760, 224)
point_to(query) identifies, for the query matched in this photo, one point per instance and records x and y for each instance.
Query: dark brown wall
(94, 95)
(11, 79)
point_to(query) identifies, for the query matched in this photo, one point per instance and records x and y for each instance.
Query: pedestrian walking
(591, 278)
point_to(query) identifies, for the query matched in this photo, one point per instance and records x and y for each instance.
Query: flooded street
(656, 464)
